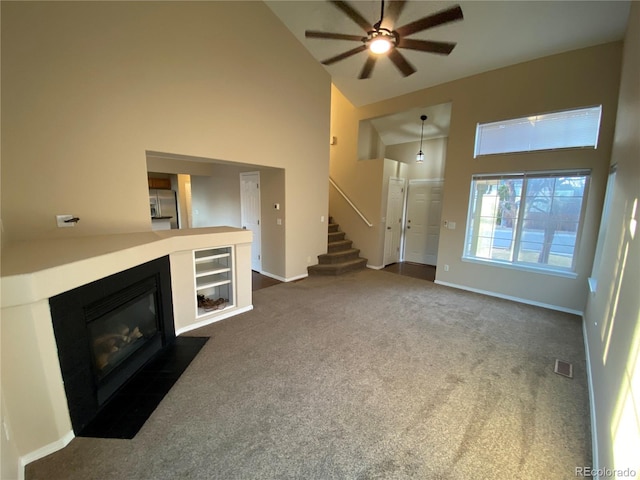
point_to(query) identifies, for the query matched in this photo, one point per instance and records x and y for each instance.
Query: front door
(250, 214)
(393, 232)
(424, 205)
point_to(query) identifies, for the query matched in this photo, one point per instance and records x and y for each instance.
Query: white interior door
(393, 231)
(250, 214)
(422, 234)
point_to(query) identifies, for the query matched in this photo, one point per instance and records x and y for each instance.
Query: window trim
(569, 272)
(602, 230)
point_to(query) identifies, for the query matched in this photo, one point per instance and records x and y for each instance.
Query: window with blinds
(567, 129)
(530, 220)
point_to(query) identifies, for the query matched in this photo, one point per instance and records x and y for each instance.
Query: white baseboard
(282, 279)
(375, 267)
(592, 400)
(509, 297)
(43, 452)
(214, 319)
(298, 277)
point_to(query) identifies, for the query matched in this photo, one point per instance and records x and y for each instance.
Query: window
(566, 129)
(528, 219)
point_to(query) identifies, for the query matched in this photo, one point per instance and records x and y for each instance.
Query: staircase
(340, 257)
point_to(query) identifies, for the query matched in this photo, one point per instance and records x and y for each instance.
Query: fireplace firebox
(107, 330)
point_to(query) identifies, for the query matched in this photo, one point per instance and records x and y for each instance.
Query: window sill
(524, 268)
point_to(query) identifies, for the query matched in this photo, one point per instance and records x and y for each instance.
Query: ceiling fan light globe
(379, 46)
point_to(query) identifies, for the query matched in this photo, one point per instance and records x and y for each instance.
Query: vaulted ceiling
(493, 34)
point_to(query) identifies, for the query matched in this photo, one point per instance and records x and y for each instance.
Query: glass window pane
(495, 210)
(545, 223)
(551, 218)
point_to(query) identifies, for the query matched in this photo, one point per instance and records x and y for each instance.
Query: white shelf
(211, 257)
(212, 272)
(202, 312)
(213, 284)
(214, 278)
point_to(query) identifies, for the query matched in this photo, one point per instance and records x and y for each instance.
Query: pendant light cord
(420, 156)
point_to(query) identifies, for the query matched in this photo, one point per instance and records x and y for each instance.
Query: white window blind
(566, 129)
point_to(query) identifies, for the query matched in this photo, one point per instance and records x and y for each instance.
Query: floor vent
(563, 368)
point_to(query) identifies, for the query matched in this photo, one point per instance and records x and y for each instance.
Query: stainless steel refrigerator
(163, 205)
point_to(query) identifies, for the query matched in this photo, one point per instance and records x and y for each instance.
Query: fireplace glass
(117, 335)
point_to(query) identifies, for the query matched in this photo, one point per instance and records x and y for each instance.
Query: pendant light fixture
(420, 155)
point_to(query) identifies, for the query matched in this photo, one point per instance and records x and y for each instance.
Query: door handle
(388, 228)
(408, 227)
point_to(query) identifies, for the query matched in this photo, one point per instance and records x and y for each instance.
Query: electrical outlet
(61, 221)
(446, 267)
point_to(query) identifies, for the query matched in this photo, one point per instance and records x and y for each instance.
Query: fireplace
(106, 331)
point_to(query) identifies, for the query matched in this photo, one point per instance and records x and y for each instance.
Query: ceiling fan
(380, 40)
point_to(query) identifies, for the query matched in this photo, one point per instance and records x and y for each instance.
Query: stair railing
(350, 202)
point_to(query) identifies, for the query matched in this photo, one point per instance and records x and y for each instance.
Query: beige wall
(612, 316)
(360, 180)
(574, 79)
(89, 87)
(274, 247)
(216, 199)
(435, 153)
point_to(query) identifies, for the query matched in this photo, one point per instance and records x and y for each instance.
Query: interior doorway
(250, 214)
(393, 224)
(422, 232)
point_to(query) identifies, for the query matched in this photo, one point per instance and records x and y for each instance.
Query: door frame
(402, 219)
(256, 263)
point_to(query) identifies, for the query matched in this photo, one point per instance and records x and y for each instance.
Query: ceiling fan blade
(353, 15)
(368, 67)
(399, 61)
(394, 10)
(333, 36)
(344, 55)
(443, 48)
(445, 16)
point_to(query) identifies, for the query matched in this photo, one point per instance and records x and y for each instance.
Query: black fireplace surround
(107, 330)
